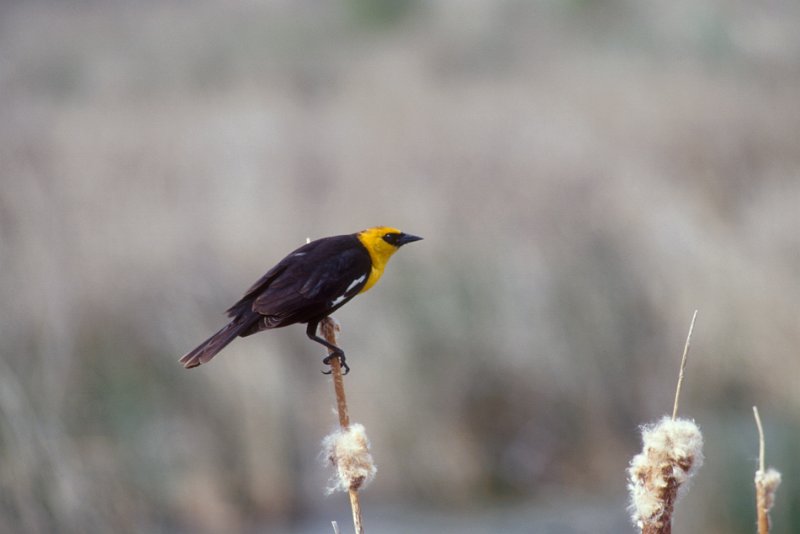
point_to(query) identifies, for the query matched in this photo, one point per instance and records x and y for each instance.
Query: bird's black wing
(245, 303)
(313, 288)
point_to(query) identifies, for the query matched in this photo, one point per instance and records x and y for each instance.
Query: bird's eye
(391, 238)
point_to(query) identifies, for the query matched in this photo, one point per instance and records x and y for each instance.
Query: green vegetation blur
(585, 174)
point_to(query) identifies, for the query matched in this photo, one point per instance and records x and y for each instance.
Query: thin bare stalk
(330, 329)
(683, 366)
(761, 509)
(761, 441)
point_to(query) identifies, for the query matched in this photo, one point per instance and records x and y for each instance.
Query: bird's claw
(342, 362)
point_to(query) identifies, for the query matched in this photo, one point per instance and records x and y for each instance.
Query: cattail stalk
(347, 448)
(330, 329)
(672, 452)
(767, 482)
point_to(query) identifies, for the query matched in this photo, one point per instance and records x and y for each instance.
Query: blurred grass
(585, 175)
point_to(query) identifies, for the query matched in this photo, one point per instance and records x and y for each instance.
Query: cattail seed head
(348, 451)
(672, 452)
(769, 480)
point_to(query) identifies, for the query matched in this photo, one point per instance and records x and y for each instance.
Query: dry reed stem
(761, 441)
(330, 329)
(683, 366)
(355, 505)
(767, 482)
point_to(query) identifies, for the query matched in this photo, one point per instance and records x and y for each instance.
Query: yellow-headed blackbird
(306, 286)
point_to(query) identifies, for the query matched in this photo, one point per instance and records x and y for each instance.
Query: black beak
(406, 238)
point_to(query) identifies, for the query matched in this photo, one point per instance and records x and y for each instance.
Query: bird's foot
(342, 362)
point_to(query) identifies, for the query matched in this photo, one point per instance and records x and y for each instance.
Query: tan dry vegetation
(584, 176)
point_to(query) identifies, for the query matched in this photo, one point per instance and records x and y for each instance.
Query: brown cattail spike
(672, 452)
(767, 482)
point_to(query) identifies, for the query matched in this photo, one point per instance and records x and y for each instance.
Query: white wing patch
(355, 282)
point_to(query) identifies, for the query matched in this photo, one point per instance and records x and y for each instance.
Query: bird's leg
(311, 332)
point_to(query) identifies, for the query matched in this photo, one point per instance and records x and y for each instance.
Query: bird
(307, 286)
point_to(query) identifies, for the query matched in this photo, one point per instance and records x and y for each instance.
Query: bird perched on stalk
(306, 286)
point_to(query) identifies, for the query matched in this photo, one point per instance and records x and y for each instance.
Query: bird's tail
(211, 346)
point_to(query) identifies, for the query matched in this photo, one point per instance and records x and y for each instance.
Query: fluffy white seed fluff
(672, 452)
(769, 480)
(348, 451)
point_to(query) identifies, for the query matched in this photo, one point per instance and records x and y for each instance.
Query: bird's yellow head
(381, 242)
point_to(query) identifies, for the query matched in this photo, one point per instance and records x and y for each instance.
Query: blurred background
(585, 175)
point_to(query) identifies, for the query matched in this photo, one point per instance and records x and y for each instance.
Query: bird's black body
(306, 283)
(304, 287)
